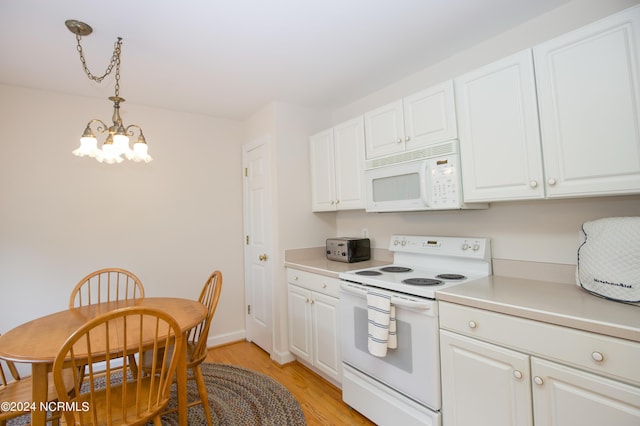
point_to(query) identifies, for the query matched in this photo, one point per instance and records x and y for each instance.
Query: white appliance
(424, 179)
(403, 387)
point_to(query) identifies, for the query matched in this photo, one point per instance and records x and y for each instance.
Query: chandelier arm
(102, 127)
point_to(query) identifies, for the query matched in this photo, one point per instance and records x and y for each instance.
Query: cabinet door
(483, 384)
(498, 131)
(430, 116)
(566, 396)
(349, 164)
(326, 338)
(384, 130)
(300, 330)
(589, 94)
(321, 153)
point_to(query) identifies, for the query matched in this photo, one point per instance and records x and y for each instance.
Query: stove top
(423, 265)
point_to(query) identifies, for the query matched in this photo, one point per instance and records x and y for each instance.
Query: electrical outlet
(365, 233)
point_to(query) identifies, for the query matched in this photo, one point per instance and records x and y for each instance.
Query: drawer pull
(472, 324)
(296, 278)
(324, 285)
(517, 374)
(538, 380)
(597, 356)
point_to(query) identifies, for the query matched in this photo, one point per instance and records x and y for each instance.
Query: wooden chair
(15, 388)
(106, 285)
(197, 342)
(114, 398)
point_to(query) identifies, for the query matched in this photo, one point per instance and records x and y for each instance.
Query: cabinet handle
(517, 374)
(306, 300)
(538, 380)
(472, 324)
(597, 356)
(533, 184)
(337, 201)
(407, 138)
(551, 181)
(324, 285)
(312, 301)
(332, 202)
(296, 278)
(399, 140)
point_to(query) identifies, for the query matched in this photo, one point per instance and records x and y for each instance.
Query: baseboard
(223, 339)
(282, 357)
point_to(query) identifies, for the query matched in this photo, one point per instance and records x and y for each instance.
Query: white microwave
(424, 179)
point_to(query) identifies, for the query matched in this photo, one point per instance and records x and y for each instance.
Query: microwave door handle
(425, 183)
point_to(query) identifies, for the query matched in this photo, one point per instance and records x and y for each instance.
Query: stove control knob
(472, 324)
(465, 246)
(476, 247)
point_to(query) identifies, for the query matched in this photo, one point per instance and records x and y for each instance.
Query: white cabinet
(313, 322)
(576, 117)
(498, 129)
(416, 121)
(337, 167)
(503, 370)
(589, 94)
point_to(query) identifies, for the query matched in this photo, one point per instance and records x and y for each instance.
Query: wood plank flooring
(320, 401)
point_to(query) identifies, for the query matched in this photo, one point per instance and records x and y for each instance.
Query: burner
(396, 269)
(422, 281)
(368, 273)
(451, 276)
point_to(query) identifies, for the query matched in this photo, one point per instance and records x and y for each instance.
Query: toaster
(345, 249)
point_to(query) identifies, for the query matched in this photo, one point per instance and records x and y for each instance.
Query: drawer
(604, 355)
(315, 282)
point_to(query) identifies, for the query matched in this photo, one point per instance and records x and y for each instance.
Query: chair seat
(134, 414)
(20, 391)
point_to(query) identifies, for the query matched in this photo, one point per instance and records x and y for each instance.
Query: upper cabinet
(416, 121)
(498, 130)
(589, 96)
(337, 167)
(586, 139)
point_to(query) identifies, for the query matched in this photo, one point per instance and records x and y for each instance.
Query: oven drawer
(314, 282)
(605, 355)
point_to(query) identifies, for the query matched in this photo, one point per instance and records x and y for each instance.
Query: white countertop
(556, 303)
(551, 302)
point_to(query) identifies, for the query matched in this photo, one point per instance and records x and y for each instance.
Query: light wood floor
(320, 401)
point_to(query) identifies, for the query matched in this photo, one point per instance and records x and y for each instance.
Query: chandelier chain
(114, 62)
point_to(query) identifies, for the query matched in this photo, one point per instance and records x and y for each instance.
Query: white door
(384, 130)
(589, 94)
(258, 241)
(567, 396)
(498, 131)
(349, 164)
(430, 116)
(484, 384)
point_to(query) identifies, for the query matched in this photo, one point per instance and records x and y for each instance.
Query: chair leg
(202, 390)
(133, 365)
(157, 421)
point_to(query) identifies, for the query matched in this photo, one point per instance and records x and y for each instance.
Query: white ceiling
(229, 58)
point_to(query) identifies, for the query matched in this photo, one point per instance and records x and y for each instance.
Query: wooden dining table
(37, 342)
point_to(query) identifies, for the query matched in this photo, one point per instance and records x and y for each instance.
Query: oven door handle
(397, 301)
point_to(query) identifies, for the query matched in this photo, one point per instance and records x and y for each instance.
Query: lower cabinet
(501, 370)
(313, 322)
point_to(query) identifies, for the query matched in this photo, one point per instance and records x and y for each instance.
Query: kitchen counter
(315, 261)
(555, 303)
(558, 303)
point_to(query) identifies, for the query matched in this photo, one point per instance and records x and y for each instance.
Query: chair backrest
(105, 285)
(106, 397)
(198, 335)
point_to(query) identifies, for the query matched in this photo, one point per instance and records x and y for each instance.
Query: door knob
(262, 257)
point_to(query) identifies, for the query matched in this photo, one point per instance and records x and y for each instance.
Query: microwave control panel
(444, 182)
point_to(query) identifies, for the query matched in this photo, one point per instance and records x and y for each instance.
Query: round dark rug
(237, 396)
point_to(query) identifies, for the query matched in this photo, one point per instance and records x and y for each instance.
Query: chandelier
(116, 143)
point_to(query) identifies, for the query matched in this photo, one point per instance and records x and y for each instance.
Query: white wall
(171, 221)
(542, 231)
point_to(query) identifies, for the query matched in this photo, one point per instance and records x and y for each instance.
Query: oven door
(413, 368)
